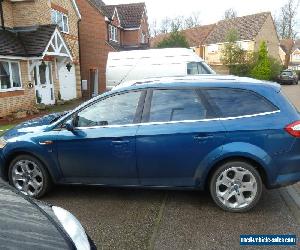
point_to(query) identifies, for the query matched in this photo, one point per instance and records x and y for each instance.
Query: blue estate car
(231, 135)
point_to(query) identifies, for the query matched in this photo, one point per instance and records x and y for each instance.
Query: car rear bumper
(287, 81)
(285, 180)
(286, 169)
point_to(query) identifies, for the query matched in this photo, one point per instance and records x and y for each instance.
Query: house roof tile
(130, 15)
(246, 26)
(199, 34)
(25, 41)
(194, 36)
(286, 45)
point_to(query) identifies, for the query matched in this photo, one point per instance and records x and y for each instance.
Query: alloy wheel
(27, 177)
(236, 187)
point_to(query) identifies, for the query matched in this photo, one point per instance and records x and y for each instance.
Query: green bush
(174, 40)
(276, 68)
(262, 68)
(258, 65)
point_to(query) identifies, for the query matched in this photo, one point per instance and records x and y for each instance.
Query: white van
(136, 65)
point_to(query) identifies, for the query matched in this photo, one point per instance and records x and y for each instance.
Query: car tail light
(293, 129)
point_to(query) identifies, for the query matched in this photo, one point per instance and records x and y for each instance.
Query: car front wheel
(28, 175)
(236, 186)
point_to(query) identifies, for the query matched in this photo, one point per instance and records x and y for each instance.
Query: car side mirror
(69, 125)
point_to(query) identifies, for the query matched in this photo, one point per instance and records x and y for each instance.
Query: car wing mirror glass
(69, 125)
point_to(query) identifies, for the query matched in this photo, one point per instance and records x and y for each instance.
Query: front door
(44, 83)
(101, 149)
(67, 81)
(176, 137)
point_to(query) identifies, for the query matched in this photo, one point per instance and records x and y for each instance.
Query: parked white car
(141, 64)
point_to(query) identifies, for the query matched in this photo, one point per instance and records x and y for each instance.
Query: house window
(113, 33)
(61, 20)
(212, 48)
(296, 57)
(243, 45)
(143, 38)
(9, 75)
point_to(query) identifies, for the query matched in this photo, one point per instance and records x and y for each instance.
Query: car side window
(115, 110)
(176, 105)
(234, 102)
(195, 68)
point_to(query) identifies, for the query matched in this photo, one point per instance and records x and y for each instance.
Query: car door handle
(118, 142)
(203, 137)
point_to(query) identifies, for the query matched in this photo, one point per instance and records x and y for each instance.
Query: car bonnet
(23, 225)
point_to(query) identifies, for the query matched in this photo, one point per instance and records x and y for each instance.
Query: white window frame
(143, 37)
(62, 20)
(296, 57)
(11, 77)
(113, 33)
(212, 48)
(243, 45)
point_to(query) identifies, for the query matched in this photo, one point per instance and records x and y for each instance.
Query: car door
(101, 148)
(178, 135)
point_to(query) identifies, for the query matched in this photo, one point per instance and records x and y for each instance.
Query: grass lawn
(65, 107)
(5, 127)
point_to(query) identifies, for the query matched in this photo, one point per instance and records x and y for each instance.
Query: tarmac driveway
(158, 219)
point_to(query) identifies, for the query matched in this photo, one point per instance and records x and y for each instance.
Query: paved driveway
(293, 93)
(156, 219)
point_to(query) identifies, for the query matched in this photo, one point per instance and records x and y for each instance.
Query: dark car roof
(24, 226)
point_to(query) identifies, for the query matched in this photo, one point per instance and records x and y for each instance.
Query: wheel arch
(258, 166)
(9, 158)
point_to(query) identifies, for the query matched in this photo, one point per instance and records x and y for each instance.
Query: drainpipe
(80, 60)
(2, 15)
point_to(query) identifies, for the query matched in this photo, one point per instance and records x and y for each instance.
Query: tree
(230, 13)
(177, 23)
(232, 54)
(154, 31)
(262, 68)
(165, 25)
(286, 21)
(192, 21)
(175, 40)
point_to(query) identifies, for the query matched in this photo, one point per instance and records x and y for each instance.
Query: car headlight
(73, 228)
(2, 143)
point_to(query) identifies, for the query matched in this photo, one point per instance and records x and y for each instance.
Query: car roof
(198, 81)
(208, 81)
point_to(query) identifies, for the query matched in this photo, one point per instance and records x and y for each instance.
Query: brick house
(208, 40)
(106, 28)
(39, 53)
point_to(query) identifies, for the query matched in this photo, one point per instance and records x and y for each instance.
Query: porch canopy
(33, 43)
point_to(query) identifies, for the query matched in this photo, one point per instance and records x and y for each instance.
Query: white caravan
(136, 65)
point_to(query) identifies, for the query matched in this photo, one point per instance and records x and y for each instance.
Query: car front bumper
(2, 165)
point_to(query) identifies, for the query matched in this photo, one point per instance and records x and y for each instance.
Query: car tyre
(236, 186)
(29, 175)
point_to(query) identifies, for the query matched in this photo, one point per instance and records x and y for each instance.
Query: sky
(210, 10)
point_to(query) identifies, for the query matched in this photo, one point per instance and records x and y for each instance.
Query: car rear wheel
(236, 186)
(28, 175)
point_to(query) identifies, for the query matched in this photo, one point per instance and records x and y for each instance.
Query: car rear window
(287, 73)
(234, 102)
